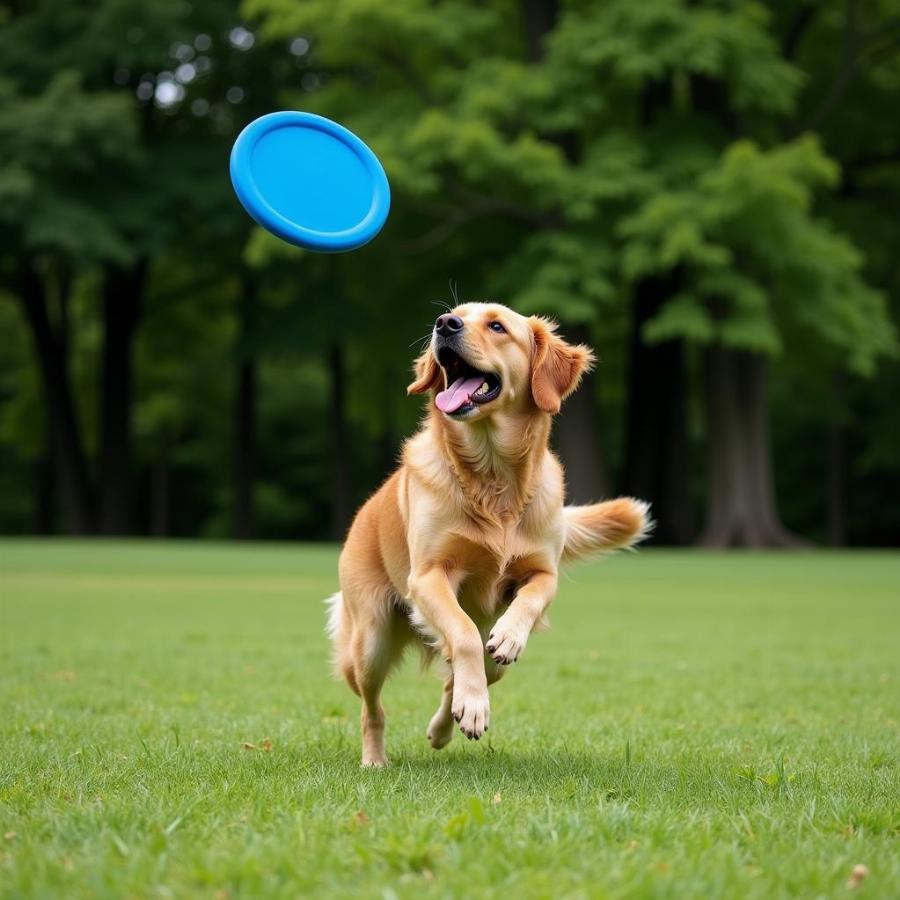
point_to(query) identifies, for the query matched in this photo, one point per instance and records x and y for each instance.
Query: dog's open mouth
(466, 386)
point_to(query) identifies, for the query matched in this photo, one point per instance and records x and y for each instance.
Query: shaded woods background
(706, 192)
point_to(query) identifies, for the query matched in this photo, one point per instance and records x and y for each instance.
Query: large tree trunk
(740, 506)
(835, 467)
(245, 421)
(656, 455)
(122, 295)
(44, 482)
(576, 437)
(386, 444)
(51, 351)
(245, 451)
(340, 460)
(539, 17)
(160, 495)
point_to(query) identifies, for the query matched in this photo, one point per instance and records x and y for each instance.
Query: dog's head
(484, 358)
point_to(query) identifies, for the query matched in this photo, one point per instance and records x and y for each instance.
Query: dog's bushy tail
(604, 527)
(337, 628)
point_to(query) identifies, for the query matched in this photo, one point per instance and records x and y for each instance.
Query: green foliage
(706, 145)
(752, 253)
(56, 151)
(568, 272)
(483, 136)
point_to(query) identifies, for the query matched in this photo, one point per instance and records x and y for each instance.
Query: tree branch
(845, 75)
(797, 29)
(862, 51)
(445, 229)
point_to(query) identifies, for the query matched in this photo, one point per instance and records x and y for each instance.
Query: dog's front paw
(472, 710)
(506, 641)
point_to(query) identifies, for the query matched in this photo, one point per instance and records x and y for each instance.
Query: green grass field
(693, 726)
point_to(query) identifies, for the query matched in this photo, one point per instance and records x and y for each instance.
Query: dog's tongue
(458, 393)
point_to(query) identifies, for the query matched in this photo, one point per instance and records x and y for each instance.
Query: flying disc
(310, 181)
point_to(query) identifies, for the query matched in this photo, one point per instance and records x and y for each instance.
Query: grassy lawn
(693, 726)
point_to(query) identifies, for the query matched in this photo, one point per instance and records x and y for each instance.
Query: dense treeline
(706, 192)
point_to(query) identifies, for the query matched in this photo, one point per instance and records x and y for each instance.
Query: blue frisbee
(310, 181)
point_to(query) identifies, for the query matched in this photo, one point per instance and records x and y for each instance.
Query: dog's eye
(496, 326)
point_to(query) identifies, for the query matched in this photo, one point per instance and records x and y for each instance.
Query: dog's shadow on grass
(554, 771)
(557, 770)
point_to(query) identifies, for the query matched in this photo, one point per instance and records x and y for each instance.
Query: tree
(643, 172)
(637, 153)
(448, 123)
(851, 57)
(59, 147)
(108, 161)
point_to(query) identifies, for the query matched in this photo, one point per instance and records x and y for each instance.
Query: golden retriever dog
(459, 549)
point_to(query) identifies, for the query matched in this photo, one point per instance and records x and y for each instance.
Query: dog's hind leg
(370, 679)
(375, 647)
(441, 726)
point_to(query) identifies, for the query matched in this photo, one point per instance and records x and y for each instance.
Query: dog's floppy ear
(556, 367)
(428, 374)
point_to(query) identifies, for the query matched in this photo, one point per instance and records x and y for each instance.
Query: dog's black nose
(448, 324)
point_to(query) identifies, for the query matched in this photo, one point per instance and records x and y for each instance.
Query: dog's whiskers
(421, 340)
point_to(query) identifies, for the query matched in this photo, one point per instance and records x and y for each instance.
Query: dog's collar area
(467, 387)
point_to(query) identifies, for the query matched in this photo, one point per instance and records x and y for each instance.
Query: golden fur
(471, 525)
